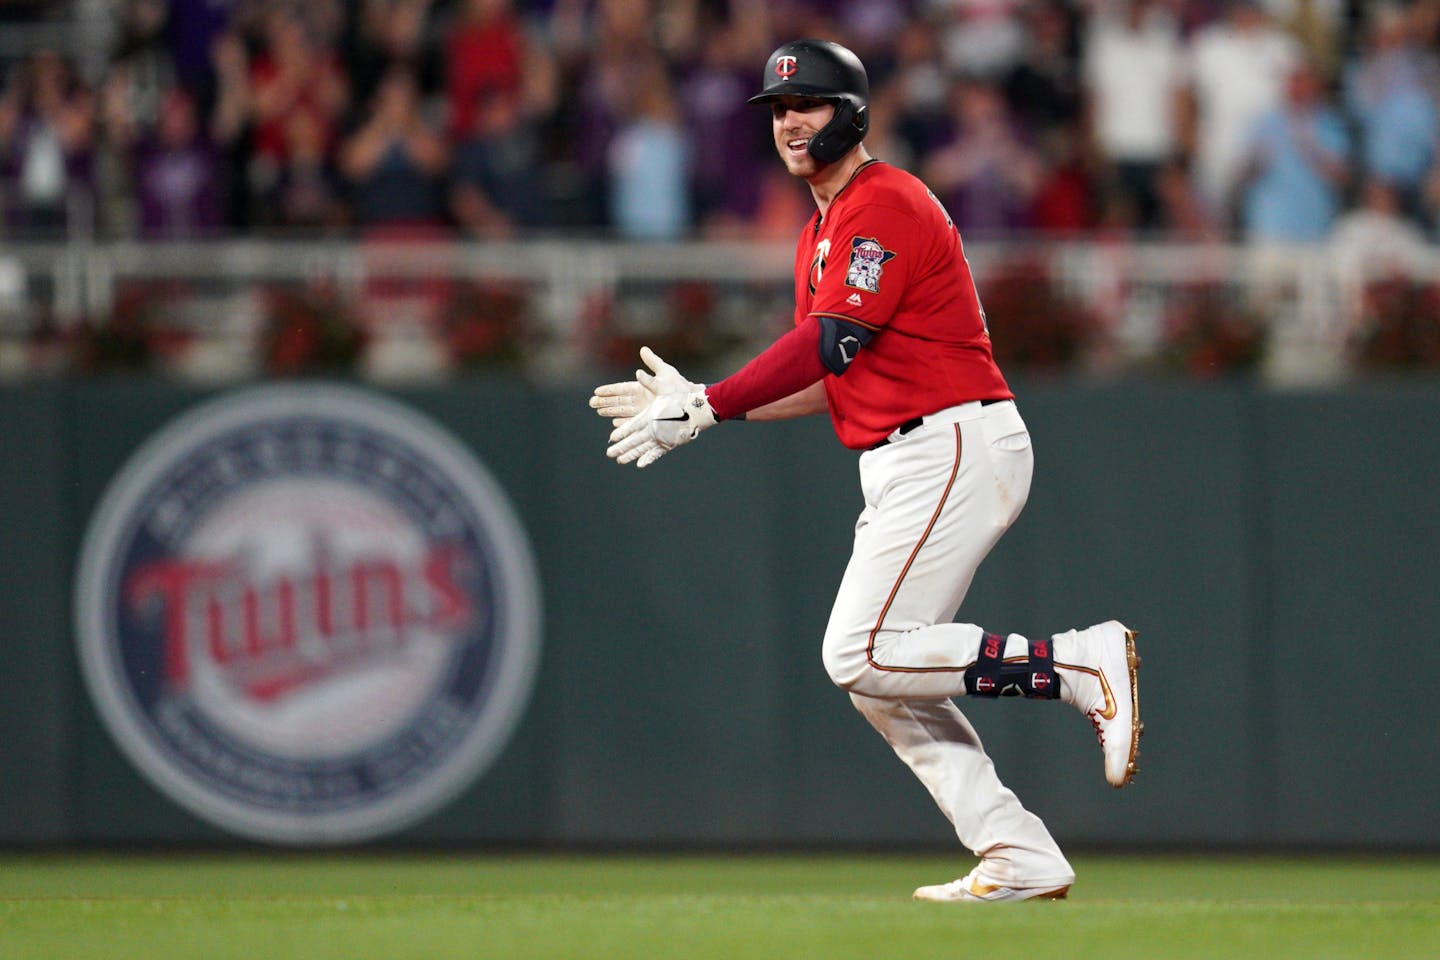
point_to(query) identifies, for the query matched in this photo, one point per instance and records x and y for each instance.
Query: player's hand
(621, 401)
(670, 421)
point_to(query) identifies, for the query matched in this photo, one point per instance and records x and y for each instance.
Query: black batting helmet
(826, 71)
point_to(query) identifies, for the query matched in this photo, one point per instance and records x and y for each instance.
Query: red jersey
(888, 257)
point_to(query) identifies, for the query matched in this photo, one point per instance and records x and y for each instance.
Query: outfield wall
(1277, 552)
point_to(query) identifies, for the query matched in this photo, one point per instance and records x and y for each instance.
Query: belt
(914, 422)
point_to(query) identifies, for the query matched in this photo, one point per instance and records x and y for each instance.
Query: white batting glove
(621, 401)
(670, 421)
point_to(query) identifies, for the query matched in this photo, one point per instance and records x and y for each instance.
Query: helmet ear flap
(847, 128)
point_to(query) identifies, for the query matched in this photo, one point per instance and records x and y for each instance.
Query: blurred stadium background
(1225, 337)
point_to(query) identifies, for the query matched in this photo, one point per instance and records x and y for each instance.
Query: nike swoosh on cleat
(1109, 712)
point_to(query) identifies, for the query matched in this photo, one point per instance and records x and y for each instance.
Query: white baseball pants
(936, 501)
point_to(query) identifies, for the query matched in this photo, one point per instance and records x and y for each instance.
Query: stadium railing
(217, 311)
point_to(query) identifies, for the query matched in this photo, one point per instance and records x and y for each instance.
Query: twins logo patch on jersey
(867, 260)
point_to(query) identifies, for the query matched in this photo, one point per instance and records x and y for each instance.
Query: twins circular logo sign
(307, 614)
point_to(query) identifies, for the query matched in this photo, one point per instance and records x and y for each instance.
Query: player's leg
(932, 514)
(940, 746)
(937, 501)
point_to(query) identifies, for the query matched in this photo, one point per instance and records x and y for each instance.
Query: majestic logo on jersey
(867, 260)
(307, 614)
(785, 67)
(817, 265)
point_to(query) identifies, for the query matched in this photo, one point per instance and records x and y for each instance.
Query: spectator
(230, 125)
(1295, 166)
(885, 141)
(292, 73)
(1373, 242)
(869, 25)
(307, 196)
(395, 161)
(1237, 72)
(1044, 95)
(649, 165)
(191, 29)
(140, 73)
(1043, 87)
(498, 88)
(177, 175)
(984, 39)
(142, 68)
(988, 174)
(1319, 26)
(47, 129)
(1133, 82)
(603, 89)
(1389, 90)
(387, 34)
(734, 147)
(1064, 198)
(1183, 214)
(922, 87)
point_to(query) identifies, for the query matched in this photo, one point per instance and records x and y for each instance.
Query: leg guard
(1032, 676)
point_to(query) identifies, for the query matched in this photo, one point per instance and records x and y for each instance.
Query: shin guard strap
(983, 677)
(992, 676)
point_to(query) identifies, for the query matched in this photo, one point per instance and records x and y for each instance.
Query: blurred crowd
(1284, 120)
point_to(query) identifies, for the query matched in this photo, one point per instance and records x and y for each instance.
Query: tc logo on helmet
(785, 67)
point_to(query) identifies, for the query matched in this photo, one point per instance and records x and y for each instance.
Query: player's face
(794, 121)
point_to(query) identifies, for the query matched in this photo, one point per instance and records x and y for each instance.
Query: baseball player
(891, 340)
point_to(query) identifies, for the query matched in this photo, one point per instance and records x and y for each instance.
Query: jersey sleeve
(876, 251)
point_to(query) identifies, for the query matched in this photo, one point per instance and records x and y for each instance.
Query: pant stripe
(880, 623)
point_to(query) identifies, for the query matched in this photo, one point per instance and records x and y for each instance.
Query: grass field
(258, 906)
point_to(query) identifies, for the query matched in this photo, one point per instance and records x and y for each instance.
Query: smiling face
(794, 120)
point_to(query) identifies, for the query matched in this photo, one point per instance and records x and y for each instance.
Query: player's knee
(844, 661)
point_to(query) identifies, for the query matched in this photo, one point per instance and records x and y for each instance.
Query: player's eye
(779, 108)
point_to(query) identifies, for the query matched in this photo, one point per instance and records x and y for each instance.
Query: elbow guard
(840, 341)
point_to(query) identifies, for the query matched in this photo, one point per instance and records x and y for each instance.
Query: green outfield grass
(258, 906)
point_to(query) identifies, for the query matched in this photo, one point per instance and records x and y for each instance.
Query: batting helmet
(826, 71)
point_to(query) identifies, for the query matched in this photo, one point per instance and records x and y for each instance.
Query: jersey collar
(820, 217)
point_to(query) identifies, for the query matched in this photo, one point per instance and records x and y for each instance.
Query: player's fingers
(650, 456)
(624, 388)
(628, 435)
(603, 405)
(629, 426)
(630, 449)
(652, 359)
(617, 408)
(623, 430)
